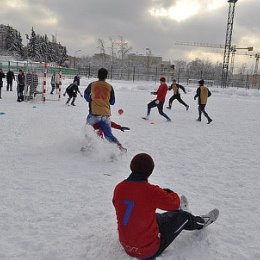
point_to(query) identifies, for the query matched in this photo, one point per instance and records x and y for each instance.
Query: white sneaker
(210, 217)
(145, 117)
(184, 204)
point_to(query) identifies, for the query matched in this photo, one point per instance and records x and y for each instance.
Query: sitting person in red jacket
(143, 233)
(113, 125)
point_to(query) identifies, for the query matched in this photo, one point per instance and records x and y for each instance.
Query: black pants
(1, 85)
(71, 96)
(178, 97)
(172, 223)
(159, 107)
(9, 84)
(20, 89)
(201, 109)
(52, 88)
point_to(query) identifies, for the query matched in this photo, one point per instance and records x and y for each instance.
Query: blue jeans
(105, 124)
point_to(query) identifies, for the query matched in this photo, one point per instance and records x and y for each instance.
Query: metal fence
(130, 73)
(37, 67)
(134, 73)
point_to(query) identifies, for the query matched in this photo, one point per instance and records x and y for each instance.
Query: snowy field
(56, 200)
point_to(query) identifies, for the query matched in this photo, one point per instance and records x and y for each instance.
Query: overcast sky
(153, 24)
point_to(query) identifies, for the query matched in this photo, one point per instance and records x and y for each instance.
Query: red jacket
(136, 203)
(161, 92)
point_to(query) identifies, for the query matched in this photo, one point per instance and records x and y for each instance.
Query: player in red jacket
(143, 233)
(159, 101)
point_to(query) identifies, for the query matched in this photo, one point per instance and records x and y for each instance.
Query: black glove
(168, 190)
(123, 128)
(153, 93)
(64, 95)
(194, 98)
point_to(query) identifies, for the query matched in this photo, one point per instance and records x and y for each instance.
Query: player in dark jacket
(2, 75)
(176, 94)
(72, 91)
(9, 80)
(20, 86)
(202, 93)
(143, 233)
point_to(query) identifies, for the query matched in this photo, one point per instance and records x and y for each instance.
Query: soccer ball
(120, 111)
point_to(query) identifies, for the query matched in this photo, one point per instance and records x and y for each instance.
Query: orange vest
(100, 96)
(203, 95)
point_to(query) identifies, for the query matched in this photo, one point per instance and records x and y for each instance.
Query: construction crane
(201, 44)
(227, 49)
(233, 49)
(233, 52)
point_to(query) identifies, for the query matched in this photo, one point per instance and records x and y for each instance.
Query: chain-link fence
(137, 73)
(36, 67)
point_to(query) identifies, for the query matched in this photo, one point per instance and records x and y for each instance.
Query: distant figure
(77, 78)
(2, 75)
(9, 79)
(176, 94)
(202, 93)
(53, 82)
(57, 80)
(159, 101)
(31, 80)
(20, 86)
(72, 91)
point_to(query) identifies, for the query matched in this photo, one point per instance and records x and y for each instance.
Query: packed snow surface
(56, 200)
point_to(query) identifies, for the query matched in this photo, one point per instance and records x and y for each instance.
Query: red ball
(120, 111)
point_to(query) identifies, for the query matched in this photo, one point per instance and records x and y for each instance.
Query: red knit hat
(143, 164)
(162, 79)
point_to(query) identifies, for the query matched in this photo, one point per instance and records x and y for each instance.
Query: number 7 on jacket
(130, 205)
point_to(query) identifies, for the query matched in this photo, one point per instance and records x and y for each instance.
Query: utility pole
(257, 56)
(231, 12)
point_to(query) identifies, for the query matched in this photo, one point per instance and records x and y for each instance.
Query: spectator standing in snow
(53, 83)
(77, 78)
(72, 91)
(20, 86)
(2, 75)
(9, 80)
(58, 79)
(143, 233)
(159, 101)
(31, 80)
(176, 94)
(202, 93)
(100, 96)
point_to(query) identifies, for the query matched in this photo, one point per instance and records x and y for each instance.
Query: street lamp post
(74, 60)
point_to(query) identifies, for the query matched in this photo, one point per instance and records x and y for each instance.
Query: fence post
(44, 83)
(88, 70)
